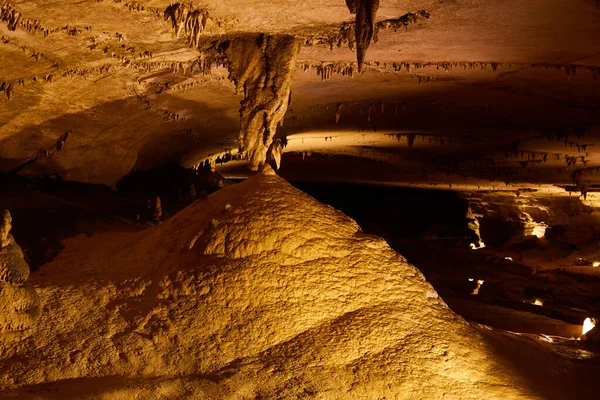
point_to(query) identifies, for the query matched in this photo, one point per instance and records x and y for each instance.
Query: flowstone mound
(258, 291)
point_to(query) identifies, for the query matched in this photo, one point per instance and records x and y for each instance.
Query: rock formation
(261, 68)
(366, 12)
(259, 291)
(19, 303)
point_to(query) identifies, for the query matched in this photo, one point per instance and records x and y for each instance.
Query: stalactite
(366, 11)
(187, 21)
(325, 70)
(275, 152)
(261, 67)
(15, 20)
(408, 66)
(425, 78)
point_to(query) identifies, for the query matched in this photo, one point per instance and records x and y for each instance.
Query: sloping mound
(259, 291)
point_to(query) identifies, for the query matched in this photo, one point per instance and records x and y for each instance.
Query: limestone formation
(187, 21)
(261, 68)
(19, 303)
(366, 12)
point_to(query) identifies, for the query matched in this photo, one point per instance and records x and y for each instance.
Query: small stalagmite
(155, 206)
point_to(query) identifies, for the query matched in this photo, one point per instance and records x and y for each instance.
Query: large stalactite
(366, 11)
(262, 67)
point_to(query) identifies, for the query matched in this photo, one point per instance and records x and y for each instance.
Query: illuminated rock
(259, 290)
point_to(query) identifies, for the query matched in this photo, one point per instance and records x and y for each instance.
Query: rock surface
(258, 291)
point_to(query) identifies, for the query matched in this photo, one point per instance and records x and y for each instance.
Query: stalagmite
(19, 303)
(262, 67)
(473, 224)
(155, 206)
(5, 226)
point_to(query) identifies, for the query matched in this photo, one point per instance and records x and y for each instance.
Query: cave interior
(145, 153)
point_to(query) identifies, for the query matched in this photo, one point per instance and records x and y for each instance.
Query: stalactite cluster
(165, 113)
(338, 37)
(401, 22)
(219, 158)
(52, 150)
(358, 35)
(440, 140)
(122, 52)
(10, 15)
(182, 87)
(139, 7)
(425, 79)
(187, 21)
(261, 68)
(7, 87)
(326, 70)
(15, 20)
(571, 69)
(198, 66)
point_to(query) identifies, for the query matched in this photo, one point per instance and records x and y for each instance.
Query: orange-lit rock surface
(259, 291)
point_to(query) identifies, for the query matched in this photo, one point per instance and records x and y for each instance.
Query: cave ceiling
(449, 91)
